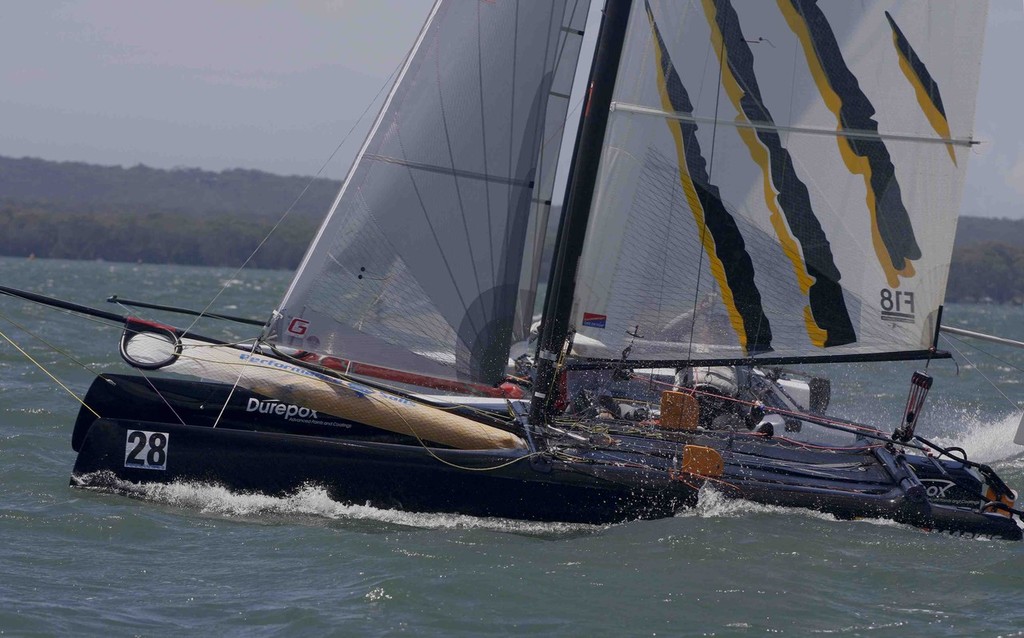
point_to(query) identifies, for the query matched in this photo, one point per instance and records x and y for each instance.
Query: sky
(278, 85)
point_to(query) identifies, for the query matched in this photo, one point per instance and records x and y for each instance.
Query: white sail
(418, 266)
(798, 199)
(559, 128)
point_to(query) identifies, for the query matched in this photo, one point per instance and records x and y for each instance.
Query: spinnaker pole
(70, 306)
(63, 305)
(184, 311)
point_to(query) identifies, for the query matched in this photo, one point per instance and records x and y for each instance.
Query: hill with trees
(72, 210)
(75, 187)
(987, 271)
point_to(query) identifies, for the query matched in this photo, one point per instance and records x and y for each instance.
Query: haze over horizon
(276, 86)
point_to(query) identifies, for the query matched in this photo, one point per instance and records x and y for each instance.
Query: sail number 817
(146, 450)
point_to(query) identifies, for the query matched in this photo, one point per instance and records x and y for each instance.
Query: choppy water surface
(187, 558)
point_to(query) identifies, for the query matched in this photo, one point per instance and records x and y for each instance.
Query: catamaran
(748, 185)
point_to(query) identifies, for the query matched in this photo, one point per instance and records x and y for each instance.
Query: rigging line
(103, 322)
(65, 353)
(984, 376)
(513, 259)
(451, 161)
(47, 373)
(309, 183)
(157, 392)
(512, 164)
(483, 125)
(983, 351)
(234, 386)
(571, 109)
(704, 229)
(117, 302)
(423, 206)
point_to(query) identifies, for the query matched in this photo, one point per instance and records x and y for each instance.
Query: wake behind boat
(791, 201)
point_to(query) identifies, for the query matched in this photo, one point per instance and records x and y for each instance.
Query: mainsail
(429, 260)
(779, 180)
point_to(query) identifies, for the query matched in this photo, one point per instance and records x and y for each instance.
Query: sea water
(189, 559)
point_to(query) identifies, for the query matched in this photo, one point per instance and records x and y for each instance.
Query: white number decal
(146, 450)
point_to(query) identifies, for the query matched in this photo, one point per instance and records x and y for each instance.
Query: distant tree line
(981, 230)
(72, 210)
(990, 271)
(155, 238)
(88, 188)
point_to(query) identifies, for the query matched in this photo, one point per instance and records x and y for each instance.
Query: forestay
(420, 264)
(779, 180)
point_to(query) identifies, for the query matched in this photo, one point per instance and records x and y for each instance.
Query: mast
(572, 228)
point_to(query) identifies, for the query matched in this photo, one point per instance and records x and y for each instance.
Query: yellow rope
(47, 373)
(49, 345)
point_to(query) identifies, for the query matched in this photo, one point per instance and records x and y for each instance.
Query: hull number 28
(146, 450)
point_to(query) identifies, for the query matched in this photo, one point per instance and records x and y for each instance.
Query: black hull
(502, 484)
(276, 452)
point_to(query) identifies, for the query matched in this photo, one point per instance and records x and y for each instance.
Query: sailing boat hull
(499, 483)
(258, 445)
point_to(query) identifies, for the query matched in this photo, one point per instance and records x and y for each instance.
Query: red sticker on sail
(594, 320)
(298, 326)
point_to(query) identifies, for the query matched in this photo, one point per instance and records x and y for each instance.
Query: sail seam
(847, 133)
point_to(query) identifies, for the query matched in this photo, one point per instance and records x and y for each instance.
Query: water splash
(309, 503)
(712, 503)
(986, 440)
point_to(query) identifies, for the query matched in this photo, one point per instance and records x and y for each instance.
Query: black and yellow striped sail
(925, 87)
(786, 196)
(774, 184)
(895, 243)
(730, 263)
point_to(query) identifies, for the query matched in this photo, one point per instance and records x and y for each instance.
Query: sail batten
(447, 170)
(771, 126)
